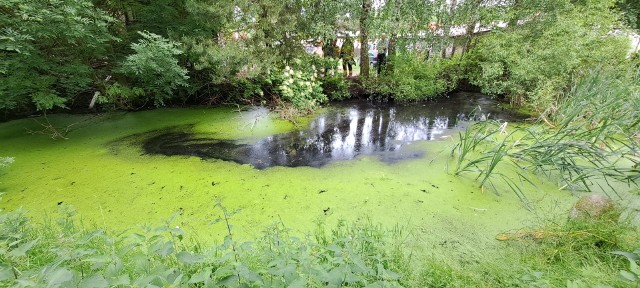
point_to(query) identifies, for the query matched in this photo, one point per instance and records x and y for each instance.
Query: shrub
(298, 86)
(335, 87)
(47, 51)
(120, 96)
(534, 63)
(154, 67)
(414, 78)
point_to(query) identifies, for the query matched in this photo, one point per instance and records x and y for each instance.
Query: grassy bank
(64, 253)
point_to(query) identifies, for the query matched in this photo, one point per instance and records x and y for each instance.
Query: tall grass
(586, 141)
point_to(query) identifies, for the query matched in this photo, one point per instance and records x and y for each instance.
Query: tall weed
(592, 139)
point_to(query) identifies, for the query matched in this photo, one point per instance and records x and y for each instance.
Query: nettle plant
(301, 88)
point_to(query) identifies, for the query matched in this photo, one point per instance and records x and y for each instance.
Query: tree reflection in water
(342, 134)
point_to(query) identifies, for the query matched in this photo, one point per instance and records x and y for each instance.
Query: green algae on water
(120, 186)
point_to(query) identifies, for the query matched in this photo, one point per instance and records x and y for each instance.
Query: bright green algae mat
(120, 187)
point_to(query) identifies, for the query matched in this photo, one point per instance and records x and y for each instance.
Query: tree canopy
(131, 53)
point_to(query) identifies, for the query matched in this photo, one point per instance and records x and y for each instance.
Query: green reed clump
(590, 138)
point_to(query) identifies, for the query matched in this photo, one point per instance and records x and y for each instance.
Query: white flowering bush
(301, 88)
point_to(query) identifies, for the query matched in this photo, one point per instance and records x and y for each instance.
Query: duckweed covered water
(350, 162)
(342, 133)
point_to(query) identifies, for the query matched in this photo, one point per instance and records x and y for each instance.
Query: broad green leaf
(58, 276)
(120, 280)
(224, 271)
(5, 273)
(335, 276)
(95, 281)
(98, 259)
(248, 275)
(298, 283)
(634, 268)
(202, 276)
(177, 280)
(628, 276)
(229, 281)
(334, 248)
(22, 249)
(145, 281)
(630, 256)
(378, 284)
(166, 249)
(189, 258)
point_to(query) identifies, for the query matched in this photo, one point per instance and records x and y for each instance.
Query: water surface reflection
(342, 133)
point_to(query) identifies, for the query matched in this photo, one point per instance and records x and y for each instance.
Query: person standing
(383, 49)
(347, 55)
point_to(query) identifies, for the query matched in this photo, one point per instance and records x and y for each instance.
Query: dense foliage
(49, 51)
(536, 62)
(154, 67)
(631, 12)
(415, 78)
(130, 54)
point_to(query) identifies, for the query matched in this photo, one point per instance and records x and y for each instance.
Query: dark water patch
(342, 133)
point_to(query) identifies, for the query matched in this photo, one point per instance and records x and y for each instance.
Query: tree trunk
(364, 39)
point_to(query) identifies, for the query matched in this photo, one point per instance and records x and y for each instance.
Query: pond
(354, 161)
(343, 132)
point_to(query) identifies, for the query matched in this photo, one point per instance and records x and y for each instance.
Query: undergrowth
(62, 253)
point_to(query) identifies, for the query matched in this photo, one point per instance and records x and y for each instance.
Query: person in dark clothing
(383, 49)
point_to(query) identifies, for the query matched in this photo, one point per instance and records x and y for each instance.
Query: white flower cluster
(301, 88)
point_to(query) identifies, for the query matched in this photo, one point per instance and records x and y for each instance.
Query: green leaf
(378, 284)
(95, 281)
(166, 249)
(98, 259)
(58, 276)
(224, 271)
(144, 281)
(229, 281)
(630, 256)
(189, 258)
(248, 275)
(633, 266)
(22, 249)
(202, 276)
(334, 248)
(120, 280)
(298, 283)
(335, 276)
(628, 276)
(5, 273)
